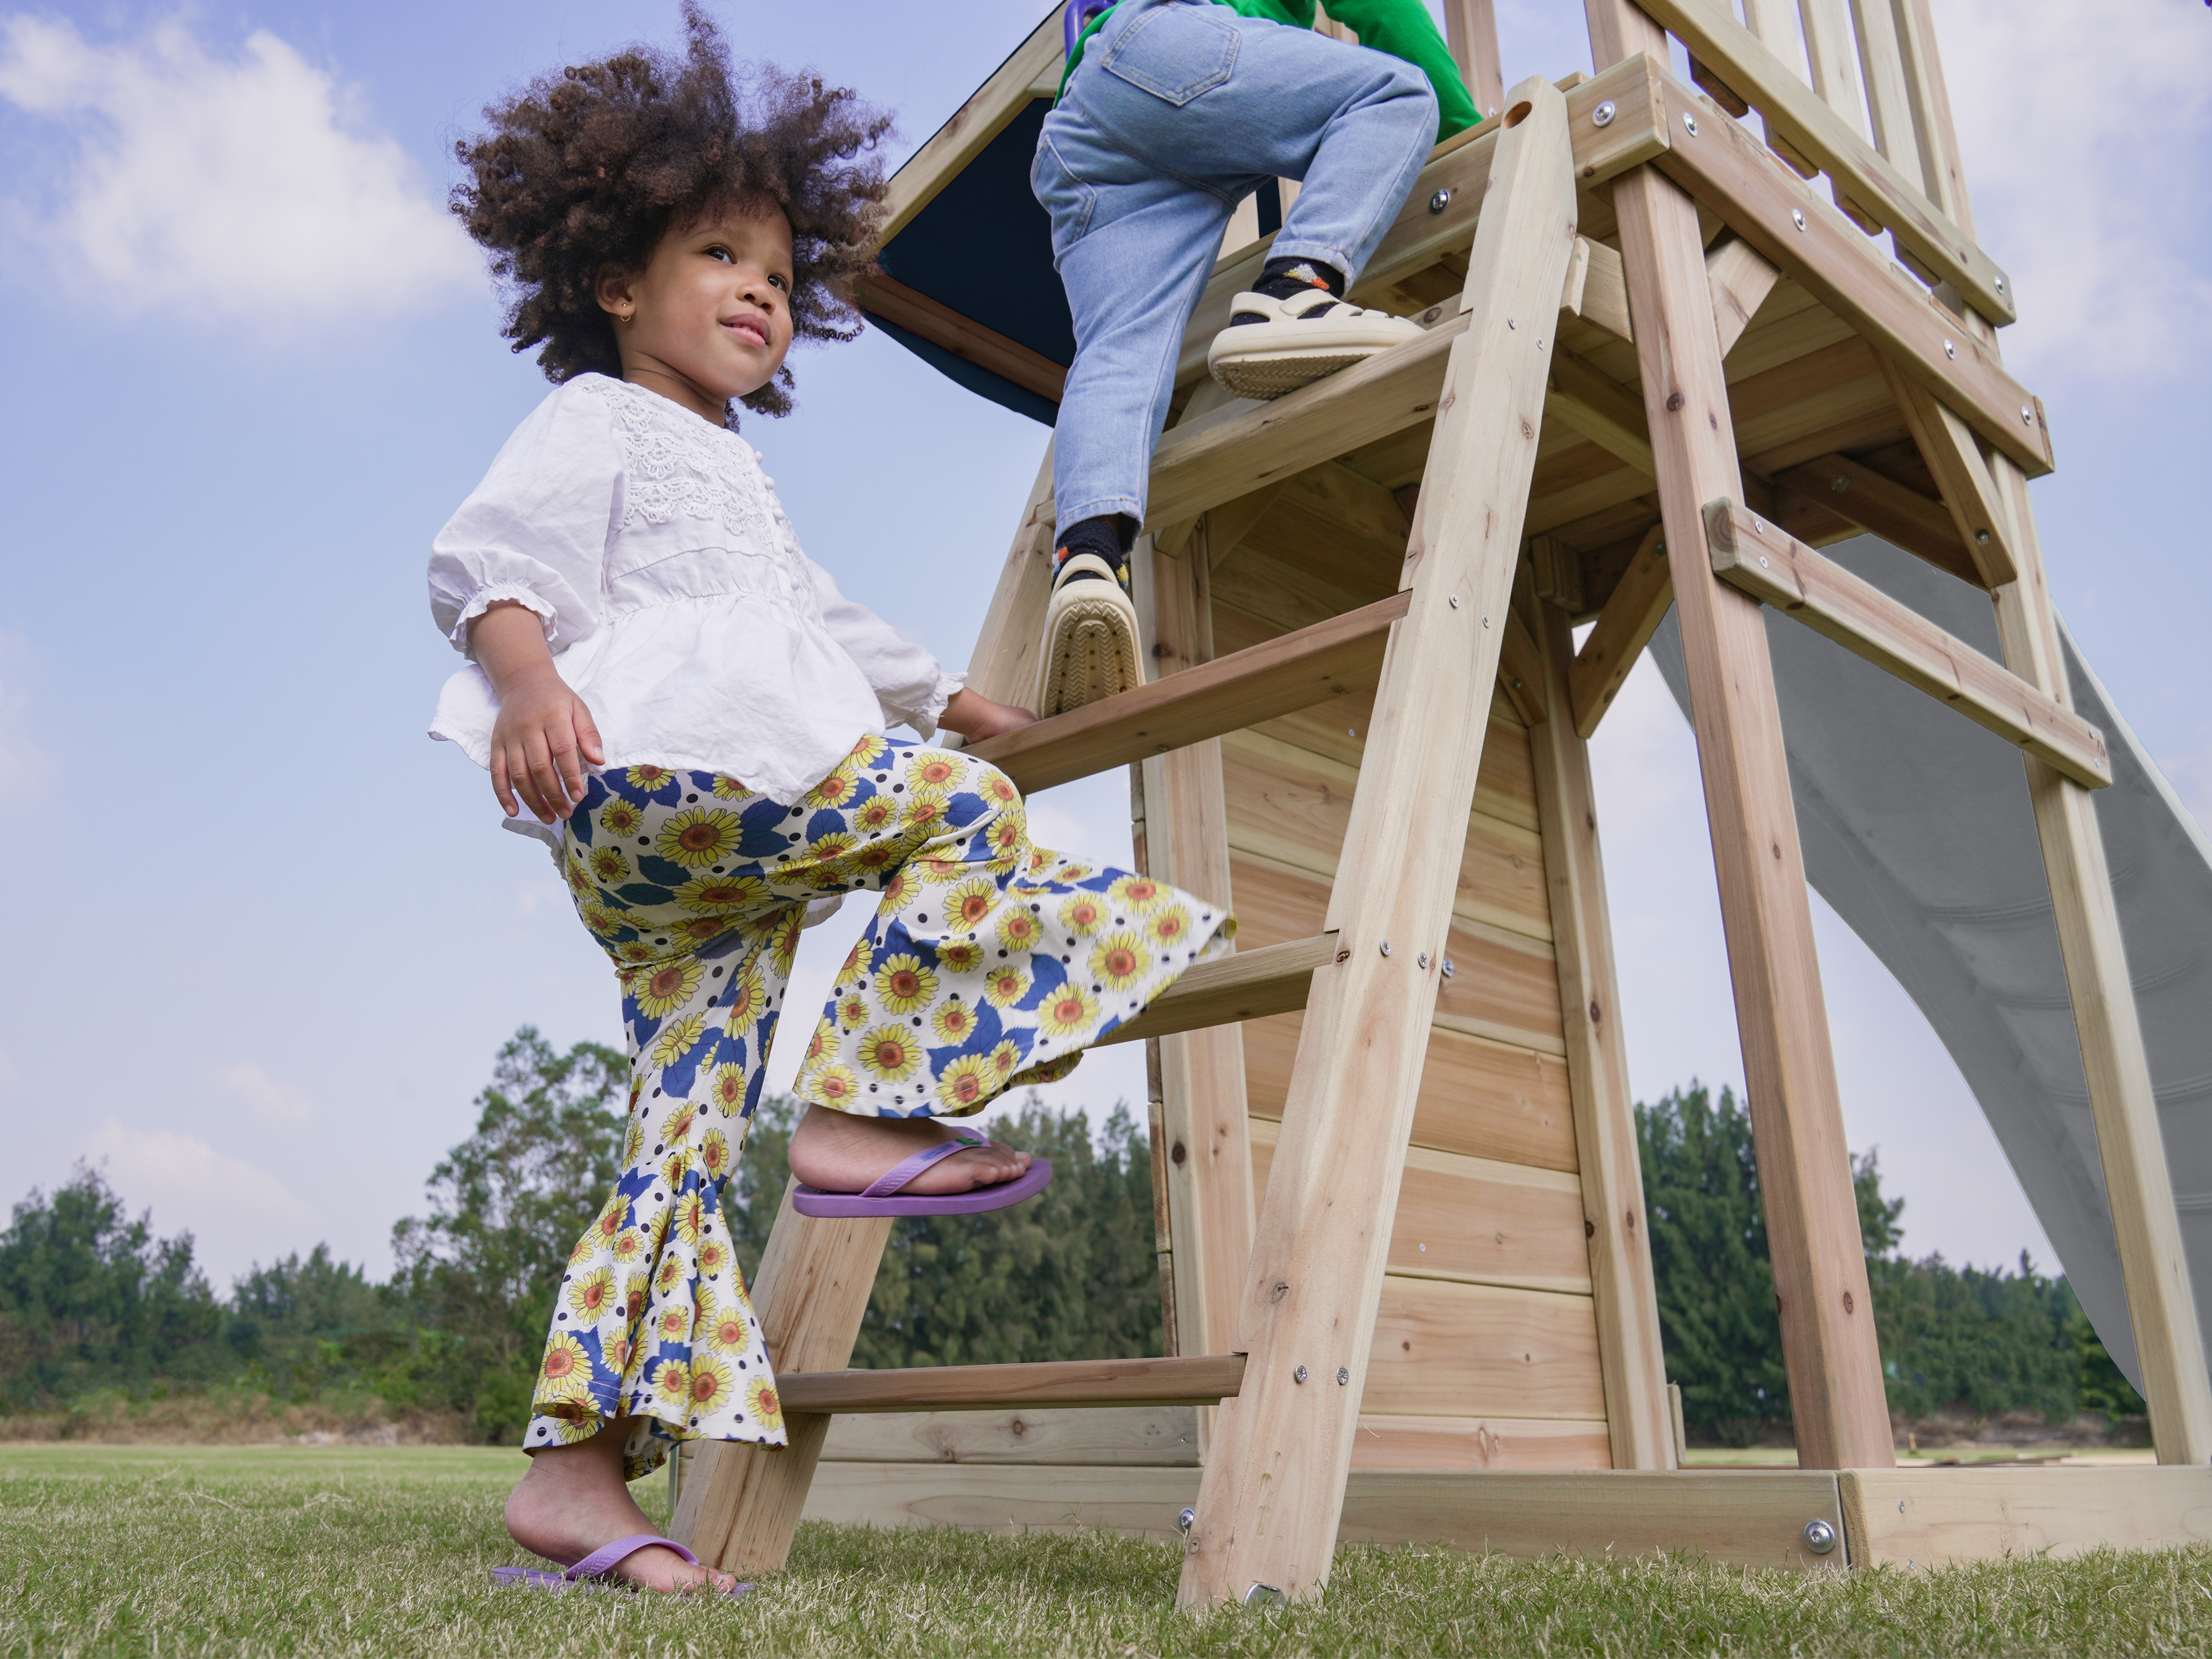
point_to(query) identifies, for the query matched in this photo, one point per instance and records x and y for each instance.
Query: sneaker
(1273, 346)
(1089, 638)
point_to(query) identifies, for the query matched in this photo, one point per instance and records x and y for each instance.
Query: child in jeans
(694, 716)
(1170, 113)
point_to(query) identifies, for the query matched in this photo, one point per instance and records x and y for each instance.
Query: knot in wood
(1848, 1305)
(1278, 1292)
(1176, 1154)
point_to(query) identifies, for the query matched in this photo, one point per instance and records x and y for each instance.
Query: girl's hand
(977, 717)
(544, 735)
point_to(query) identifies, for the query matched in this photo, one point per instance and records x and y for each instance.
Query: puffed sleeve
(909, 684)
(535, 531)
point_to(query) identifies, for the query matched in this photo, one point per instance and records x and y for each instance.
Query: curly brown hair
(584, 171)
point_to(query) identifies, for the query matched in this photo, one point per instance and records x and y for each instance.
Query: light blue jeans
(1179, 110)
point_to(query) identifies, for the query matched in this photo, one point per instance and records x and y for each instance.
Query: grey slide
(1916, 829)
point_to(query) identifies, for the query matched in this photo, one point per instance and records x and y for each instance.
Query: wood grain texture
(1903, 518)
(1399, 1443)
(1122, 1437)
(1290, 672)
(1475, 1220)
(1275, 1481)
(1754, 556)
(1962, 478)
(1611, 1189)
(1929, 1517)
(1248, 985)
(1841, 1414)
(1740, 278)
(1447, 1350)
(1176, 1380)
(897, 304)
(1631, 615)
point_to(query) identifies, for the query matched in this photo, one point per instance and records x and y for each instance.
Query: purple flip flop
(587, 1573)
(880, 1197)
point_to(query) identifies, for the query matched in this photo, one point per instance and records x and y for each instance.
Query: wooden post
(741, 1505)
(1273, 1486)
(1637, 1410)
(1206, 1151)
(1471, 29)
(1829, 1347)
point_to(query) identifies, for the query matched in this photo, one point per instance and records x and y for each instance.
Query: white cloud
(236, 186)
(236, 1213)
(277, 1105)
(2083, 135)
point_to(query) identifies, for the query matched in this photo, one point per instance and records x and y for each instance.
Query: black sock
(1109, 537)
(1279, 279)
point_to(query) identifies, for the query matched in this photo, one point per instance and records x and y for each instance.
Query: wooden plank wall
(1486, 1345)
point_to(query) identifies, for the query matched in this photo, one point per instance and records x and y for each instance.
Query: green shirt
(1402, 27)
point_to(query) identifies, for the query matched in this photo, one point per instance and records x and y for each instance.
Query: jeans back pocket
(1175, 51)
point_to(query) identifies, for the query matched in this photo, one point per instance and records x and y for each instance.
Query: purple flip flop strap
(899, 1174)
(600, 1561)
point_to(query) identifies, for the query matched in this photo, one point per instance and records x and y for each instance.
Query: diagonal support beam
(1624, 626)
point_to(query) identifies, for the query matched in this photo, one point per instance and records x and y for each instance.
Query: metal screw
(1425, 958)
(1689, 124)
(2027, 416)
(1758, 524)
(1840, 485)
(1982, 537)
(1300, 1375)
(1950, 349)
(1440, 200)
(1448, 968)
(1486, 621)
(1509, 323)
(1602, 115)
(1187, 1519)
(1763, 565)
(1386, 947)
(1344, 1377)
(1264, 1595)
(1454, 601)
(1797, 217)
(1540, 343)
(2000, 284)
(1820, 1537)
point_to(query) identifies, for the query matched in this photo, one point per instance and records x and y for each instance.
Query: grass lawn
(189, 1550)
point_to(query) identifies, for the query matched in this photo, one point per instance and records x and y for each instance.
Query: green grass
(173, 1550)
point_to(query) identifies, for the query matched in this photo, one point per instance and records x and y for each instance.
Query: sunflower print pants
(989, 963)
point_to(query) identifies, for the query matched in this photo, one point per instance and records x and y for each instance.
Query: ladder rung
(1273, 979)
(1277, 676)
(1192, 1380)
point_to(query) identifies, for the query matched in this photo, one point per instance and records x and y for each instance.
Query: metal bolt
(1511, 323)
(2027, 416)
(1540, 343)
(1186, 1519)
(1763, 565)
(1448, 968)
(1454, 601)
(1950, 349)
(1797, 217)
(2000, 284)
(1758, 524)
(1425, 958)
(1386, 947)
(1689, 124)
(1264, 1595)
(1440, 200)
(1602, 115)
(1840, 485)
(1486, 621)
(1300, 1375)
(1344, 1377)
(1982, 537)
(1820, 1537)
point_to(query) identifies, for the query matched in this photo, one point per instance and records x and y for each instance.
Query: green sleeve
(1404, 29)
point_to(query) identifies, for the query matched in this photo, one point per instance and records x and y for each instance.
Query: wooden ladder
(1274, 1479)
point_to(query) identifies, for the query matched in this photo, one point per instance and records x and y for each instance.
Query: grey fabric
(1916, 829)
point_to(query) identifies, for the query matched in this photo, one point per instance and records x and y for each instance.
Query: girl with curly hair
(694, 716)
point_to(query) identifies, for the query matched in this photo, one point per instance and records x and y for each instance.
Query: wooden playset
(1668, 354)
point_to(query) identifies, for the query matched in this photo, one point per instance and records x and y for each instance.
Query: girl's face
(709, 317)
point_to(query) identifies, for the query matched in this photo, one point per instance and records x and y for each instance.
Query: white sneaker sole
(1090, 647)
(1268, 375)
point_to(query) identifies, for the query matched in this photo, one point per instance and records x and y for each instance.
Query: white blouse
(674, 597)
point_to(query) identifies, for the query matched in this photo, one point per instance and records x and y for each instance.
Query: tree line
(92, 1304)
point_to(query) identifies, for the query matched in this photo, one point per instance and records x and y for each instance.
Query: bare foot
(574, 1499)
(842, 1152)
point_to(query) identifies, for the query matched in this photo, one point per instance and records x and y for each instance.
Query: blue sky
(264, 937)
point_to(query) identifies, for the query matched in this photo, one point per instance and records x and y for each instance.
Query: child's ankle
(1108, 538)
(1280, 279)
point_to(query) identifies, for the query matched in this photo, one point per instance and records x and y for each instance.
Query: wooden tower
(1678, 335)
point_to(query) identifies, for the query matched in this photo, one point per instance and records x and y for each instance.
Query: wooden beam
(1637, 1417)
(1274, 1480)
(1889, 94)
(1227, 525)
(1901, 516)
(1962, 477)
(1861, 174)
(896, 303)
(1280, 676)
(1932, 1517)
(1740, 279)
(742, 1503)
(1754, 556)
(1181, 1380)
(1829, 1347)
(1471, 27)
(1203, 1158)
(1728, 170)
(1624, 626)
(1520, 669)
(985, 115)
(1275, 979)
(1598, 292)
(1600, 408)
